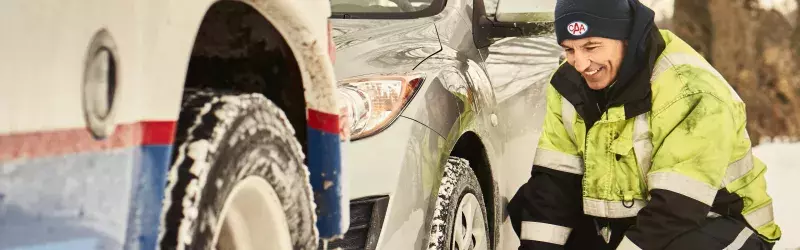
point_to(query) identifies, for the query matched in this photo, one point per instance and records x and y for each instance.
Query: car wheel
(237, 180)
(459, 218)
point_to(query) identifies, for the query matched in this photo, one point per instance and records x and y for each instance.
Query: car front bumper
(402, 163)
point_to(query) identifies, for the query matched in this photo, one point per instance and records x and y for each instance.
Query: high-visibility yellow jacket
(686, 158)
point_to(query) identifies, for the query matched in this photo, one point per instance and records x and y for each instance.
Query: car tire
(459, 188)
(222, 141)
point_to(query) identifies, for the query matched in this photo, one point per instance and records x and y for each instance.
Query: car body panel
(496, 93)
(400, 169)
(382, 46)
(520, 70)
(434, 105)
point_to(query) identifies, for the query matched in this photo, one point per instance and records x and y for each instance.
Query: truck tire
(223, 141)
(459, 217)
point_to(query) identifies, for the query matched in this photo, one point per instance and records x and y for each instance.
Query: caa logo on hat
(577, 28)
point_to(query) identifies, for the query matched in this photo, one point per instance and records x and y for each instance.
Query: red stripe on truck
(70, 141)
(323, 121)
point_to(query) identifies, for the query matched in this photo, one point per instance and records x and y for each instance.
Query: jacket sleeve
(543, 210)
(687, 169)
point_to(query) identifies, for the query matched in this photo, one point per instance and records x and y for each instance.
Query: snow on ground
(783, 169)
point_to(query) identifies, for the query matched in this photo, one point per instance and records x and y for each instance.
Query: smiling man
(644, 144)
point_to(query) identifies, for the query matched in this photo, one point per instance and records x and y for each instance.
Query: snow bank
(783, 171)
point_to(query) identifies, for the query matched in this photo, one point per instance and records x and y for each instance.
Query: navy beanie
(577, 19)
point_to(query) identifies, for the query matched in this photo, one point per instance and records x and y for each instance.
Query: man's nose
(582, 61)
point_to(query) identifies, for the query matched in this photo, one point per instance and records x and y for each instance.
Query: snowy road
(783, 169)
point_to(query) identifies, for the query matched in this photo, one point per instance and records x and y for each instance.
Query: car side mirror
(513, 18)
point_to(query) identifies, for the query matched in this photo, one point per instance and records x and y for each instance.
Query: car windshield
(382, 8)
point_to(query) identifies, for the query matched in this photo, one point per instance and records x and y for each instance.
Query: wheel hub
(469, 229)
(252, 218)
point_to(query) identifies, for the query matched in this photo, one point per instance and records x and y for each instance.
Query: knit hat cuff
(578, 25)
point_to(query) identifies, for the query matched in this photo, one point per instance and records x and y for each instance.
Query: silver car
(445, 100)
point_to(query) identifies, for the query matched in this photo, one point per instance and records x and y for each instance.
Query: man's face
(596, 58)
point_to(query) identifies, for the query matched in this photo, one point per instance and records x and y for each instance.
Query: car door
(519, 69)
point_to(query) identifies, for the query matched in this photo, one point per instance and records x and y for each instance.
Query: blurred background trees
(755, 44)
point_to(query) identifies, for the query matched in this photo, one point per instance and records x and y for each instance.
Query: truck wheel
(237, 180)
(459, 218)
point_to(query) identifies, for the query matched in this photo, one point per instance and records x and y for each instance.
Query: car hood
(382, 46)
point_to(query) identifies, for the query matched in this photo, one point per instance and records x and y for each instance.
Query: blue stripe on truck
(145, 217)
(110, 199)
(324, 165)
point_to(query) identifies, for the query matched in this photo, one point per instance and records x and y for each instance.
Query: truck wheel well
(237, 48)
(470, 147)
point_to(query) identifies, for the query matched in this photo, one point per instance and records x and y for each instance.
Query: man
(644, 144)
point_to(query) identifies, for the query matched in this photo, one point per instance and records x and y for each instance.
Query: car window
(384, 8)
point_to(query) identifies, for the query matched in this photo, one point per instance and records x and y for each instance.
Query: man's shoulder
(688, 75)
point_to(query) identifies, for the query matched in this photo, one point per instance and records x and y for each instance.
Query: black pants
(716, 233)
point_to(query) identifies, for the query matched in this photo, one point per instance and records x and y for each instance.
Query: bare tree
(692, 22)
(740, 40)
(796, 34)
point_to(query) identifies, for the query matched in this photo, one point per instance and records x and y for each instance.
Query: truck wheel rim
(252, 218)
(469, 229)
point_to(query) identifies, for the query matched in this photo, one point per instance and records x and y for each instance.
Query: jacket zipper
(604, 232)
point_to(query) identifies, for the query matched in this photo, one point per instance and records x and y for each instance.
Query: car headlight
(373, 102)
